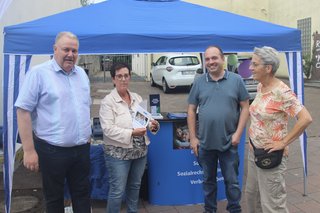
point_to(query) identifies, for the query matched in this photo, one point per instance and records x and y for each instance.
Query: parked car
(251, 86)
(250, 83)
(174, 70)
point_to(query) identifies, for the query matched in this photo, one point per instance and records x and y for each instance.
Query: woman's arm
(304, 120)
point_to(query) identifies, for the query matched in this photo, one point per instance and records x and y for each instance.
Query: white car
(171, 71)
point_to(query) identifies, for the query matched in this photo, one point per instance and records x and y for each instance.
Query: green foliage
(307, 65)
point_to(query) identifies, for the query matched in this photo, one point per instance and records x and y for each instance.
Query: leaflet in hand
(141, 118)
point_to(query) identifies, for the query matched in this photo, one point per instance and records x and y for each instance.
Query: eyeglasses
(120, 76)
(253, 64)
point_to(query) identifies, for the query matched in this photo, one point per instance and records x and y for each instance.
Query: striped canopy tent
(137, 26)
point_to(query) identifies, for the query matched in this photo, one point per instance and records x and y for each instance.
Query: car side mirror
(153, 64)
(200, 71)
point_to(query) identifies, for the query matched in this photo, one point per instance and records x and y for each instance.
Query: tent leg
(304, 185)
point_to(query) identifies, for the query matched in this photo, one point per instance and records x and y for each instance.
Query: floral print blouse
(269, 114)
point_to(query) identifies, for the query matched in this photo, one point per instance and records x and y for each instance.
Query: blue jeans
(124, 178)
(229, 163)
(58, 164)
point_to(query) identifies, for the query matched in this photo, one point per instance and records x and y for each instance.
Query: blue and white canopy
(148, 27)
(136, 26)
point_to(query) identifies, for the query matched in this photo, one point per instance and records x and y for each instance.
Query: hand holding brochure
(141, 118)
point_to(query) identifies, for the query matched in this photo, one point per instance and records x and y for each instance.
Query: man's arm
(191, 119)
(244, 115)
(30, 156)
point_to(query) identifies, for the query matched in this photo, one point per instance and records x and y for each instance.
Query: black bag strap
(254, 148)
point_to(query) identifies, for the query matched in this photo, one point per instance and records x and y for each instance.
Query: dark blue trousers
(229, 164)
(58, 164)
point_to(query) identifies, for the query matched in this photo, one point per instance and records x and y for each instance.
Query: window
(161, 61)
(184, 61)
(305, 26)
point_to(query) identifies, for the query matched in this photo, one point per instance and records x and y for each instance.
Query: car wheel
(165, 87)
(152, 81)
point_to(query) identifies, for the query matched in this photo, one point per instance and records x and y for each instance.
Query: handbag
(265, 160)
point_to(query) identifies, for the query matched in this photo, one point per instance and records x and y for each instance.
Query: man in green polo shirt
(223, 104)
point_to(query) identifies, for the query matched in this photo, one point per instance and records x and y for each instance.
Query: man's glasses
(120, 77)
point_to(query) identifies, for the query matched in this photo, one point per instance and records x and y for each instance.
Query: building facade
(20, 11)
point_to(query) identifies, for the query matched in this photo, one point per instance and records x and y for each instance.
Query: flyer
(141, 118)
(154, 100)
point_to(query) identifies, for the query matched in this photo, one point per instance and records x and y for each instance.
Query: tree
(307, 65)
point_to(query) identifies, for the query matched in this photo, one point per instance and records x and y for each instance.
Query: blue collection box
(174, 175)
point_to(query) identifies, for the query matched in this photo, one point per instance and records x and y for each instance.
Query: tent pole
(304, 184)
(305, 179)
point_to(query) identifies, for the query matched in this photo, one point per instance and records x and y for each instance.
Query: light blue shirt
(59, 104)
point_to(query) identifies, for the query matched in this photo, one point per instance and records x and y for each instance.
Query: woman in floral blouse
(269, 112)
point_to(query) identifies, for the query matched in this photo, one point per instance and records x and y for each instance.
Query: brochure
(157, 116)
(141, 118)
(154, 103)
(177, 115)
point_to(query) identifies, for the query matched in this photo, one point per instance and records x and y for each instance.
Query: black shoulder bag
(265, 160)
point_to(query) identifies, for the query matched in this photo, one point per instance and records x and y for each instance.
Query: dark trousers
(58, 164)
(229, 163)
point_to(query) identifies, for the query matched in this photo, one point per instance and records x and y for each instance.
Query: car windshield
(184, 61)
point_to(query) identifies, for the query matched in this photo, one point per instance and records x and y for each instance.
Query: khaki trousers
(265, 188)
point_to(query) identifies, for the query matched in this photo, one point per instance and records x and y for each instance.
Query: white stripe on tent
(300, 85)
(14, 64)
(296, 81)
(22, 75)
(290, 67)
(9, 142)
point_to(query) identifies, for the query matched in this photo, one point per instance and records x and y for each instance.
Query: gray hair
(269, 56)
(67, 34)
